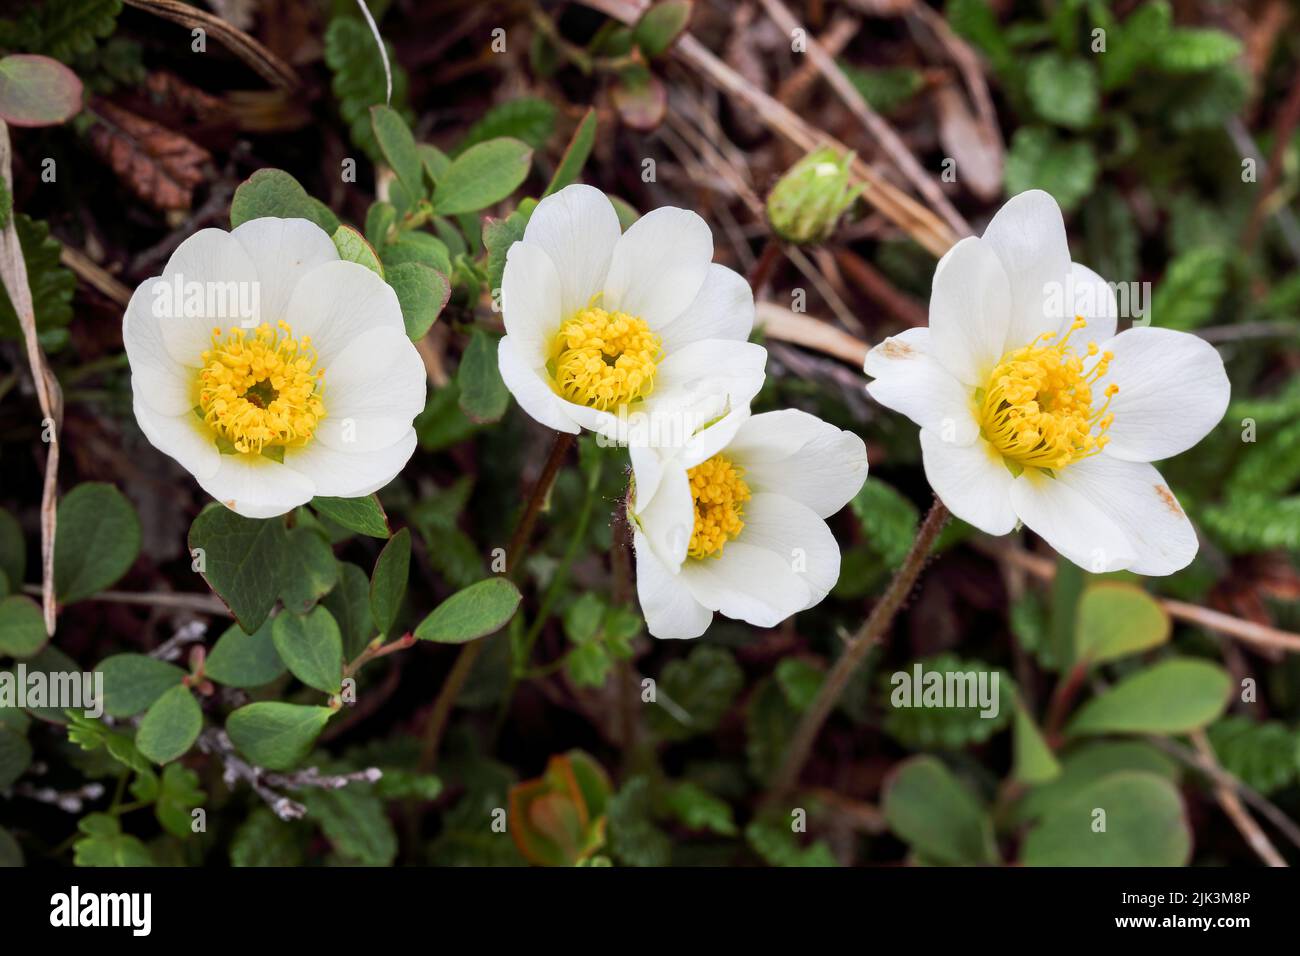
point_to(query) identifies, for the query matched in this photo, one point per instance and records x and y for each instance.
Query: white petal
(578, 228)
(794, 533)
(798, 455)
(1068, 520)
(530, 299)
(1028, 235)
(284, 250)
(531, 390)
(700, 384)
(668, 517)
(156, 377)
(257, 487)
(723, 309)
(1172, 391)
(971, 480)
(909, 380)
(226, 276)
(1094, 299)
(348, 474)
(1136, 498)
(653, 444)
(970, 311)
(747, 583)
(666, 603)
(371, 390)
(338, 302)
(183, 437)
(659, 265)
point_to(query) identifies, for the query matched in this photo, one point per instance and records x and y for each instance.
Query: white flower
(637, 336)
(1032, 409)
(271, 369)
(737, 527)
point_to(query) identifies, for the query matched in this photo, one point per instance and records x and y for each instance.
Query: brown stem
(378, 650)
(872, 632)
(1066, 691)
(762, 270)
(515, 551)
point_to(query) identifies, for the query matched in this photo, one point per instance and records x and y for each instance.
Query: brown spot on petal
(896, 349)
(1169, 500)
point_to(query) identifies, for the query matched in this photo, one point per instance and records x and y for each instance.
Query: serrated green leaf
(698, 809)
(1187, 50)
(178, 796)
(61, 30)
(353, 247)
(694, 692)
(97, 540)
(633, 839)
(359, 81)
(1063, 89)
(51, 284)
(1038, 159)
(1264, 755)
(1189, 295)
(888, 520)
(916, 720)
(355, 822)
(104, 844)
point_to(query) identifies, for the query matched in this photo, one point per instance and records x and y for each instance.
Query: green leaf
(15, 756)
(263, 839)
(1193, 285)
(422, 293)
(937, 815)
(694, 692)
(499, 235)
(170, 726)
(1116, 619)
(698, 809)
(476, 611)
(484, 174)
(1255, 523)
(633, 839)
(1261, 754)
(1184, 50)
(1172, 697)
(885, 89)
(52, 285)
(132, 682)
(178, 797)
(11, 854)
(1034, 760)
(22, 627)
(359, 82)
(1144, 826)
(104, 844)
(914, 720)
(1038, 159)
(419, 247)
(362, 515)
(276, 735)
(310, 570)
(1134, 43)
(660, 25)
(1089, 761)
(311, 647)
(97, 540)
(244, 660)
(483, 394)
(388, 583)
(1063, 89)
(349, 602)
(799, 682)
(888, 520)
(575, 156)
(528, 118)
(274, 193)
(355, 821)
(242, 558)
(37, 91)
(398, 146)
(775, 842)
(353, 247)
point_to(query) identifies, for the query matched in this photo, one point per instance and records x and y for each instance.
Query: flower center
(1037, 409)
(720, 494)
(259, 389)
(604, 359)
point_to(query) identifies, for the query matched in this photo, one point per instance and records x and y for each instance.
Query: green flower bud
(809, 199)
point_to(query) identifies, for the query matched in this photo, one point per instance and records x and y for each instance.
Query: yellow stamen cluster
(1037, 410)
(259, 388)
(604, 359)
(720, 494)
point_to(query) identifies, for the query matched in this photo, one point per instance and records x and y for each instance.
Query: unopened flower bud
(809, 199)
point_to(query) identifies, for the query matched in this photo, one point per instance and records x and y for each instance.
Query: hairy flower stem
(515, 551)
(873, 631)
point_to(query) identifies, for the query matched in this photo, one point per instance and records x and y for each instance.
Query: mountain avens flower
(807, 202)
(609, 330)
(737, 527)
(272, 370)
(1033, 410)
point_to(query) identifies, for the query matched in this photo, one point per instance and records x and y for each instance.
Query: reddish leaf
(37, 91)
(159, 166)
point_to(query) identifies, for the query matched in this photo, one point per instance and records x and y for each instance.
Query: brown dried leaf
(976, 148)
(158, 165)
